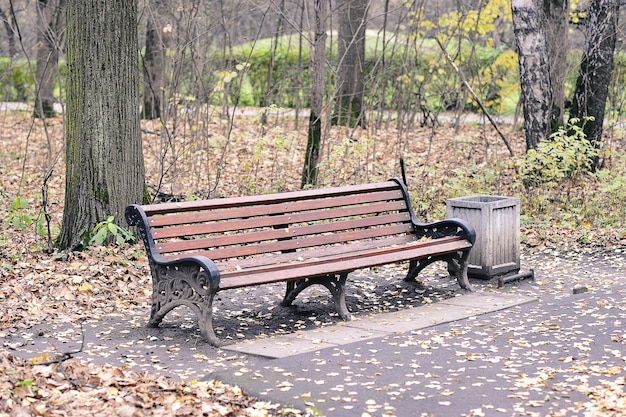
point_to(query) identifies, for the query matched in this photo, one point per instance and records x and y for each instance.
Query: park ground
(73, 340)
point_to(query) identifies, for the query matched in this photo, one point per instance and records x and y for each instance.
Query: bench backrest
(281, 223)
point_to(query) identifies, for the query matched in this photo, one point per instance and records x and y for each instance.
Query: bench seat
(198, 248)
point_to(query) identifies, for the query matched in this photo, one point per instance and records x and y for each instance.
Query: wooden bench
(197, 248)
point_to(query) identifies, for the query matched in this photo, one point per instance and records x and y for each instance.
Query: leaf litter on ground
(103, 282)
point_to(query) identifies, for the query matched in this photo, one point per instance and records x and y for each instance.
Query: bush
(566, 154)
(16, 80)
(289, 77)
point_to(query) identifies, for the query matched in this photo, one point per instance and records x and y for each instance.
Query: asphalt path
(282, 112)
(561, 354)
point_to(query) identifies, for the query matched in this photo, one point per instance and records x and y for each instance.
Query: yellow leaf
(41, 358)
(284, 386)
(614, 370)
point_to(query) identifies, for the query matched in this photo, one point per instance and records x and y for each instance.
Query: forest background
(209, 65)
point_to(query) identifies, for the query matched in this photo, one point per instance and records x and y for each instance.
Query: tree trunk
(8, 24)
(349, 85)
(154, 61)
(534, 68)
(311, 158)
(298, 84)
(596, 67)
(269, 91)
(50, 21)
(104, 162)
(556, 18)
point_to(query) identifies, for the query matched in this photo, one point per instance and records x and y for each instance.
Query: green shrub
(289, 78)
(566, 154)
(21, 217)
(107, 230)
(16, 80)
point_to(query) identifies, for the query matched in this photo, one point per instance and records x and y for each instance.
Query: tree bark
(154, 61)
(104, 162)
(50, 22)
(349, 85)
(11, 49)
(534, 68)
(269, 91)
(556, 20)
(311, 158)
(596, 68)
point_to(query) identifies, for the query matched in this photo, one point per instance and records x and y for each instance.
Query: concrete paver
(380, 325)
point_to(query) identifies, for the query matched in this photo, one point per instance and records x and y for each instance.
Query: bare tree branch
(471, 90)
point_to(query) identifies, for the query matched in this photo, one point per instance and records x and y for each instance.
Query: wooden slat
(278, 220)
(315, 252)
(283, 233)
(304, 242)
(356, 253)
(267, 198)
(235, 280)
(218, 213)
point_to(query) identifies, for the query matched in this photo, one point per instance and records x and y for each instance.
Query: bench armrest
(462, 227)
(135, 216)
(202, 262)
(441, 228)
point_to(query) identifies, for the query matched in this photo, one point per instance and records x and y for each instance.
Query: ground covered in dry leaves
(208, 159)
(73, 388)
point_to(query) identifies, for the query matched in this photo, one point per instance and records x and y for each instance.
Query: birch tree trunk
(104, 161)
(596, 68)
(534, 68)
(311, 158)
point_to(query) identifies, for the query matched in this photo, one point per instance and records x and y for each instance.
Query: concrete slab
(305, 341)
(279, 346)
(487, 302)
(341, 334)
(413, 318)
(487, 366)
(380, 325)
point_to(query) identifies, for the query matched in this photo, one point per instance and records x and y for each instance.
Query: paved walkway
(553, 346)
(379, 326)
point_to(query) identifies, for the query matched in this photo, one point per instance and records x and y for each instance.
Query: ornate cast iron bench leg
(184, 284)
(417, 265)
(457, 267)
(336, 284)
